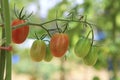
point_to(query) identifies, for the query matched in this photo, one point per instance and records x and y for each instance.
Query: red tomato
(19, 35)
(59, 44)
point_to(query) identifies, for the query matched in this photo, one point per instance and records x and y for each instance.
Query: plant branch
(41, 24)
(36, 24)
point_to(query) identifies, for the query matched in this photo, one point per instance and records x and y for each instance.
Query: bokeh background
(105, 14)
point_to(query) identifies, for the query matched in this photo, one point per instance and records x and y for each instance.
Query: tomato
(48, 57)
(92, 57)
(19, 35)
(59, 44)
(38, 50)
(82, 47)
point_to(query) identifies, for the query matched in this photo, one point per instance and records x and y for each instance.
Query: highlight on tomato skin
(59, 44)
(19, 35)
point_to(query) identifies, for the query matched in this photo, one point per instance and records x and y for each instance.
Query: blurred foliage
(103, 13)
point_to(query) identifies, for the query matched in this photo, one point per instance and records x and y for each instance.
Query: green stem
(2, 53)
(92, 34)
(67, 24)
(2, 59)
(41, 25)
(7, 27)
(88, 34)
(35, 24)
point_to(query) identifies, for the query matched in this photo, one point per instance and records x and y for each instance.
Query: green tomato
(38, 50)
(48, 57)
(82, 47)
(92, 57)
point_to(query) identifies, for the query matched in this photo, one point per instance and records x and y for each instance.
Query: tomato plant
(59, 44)
(92, 56)
(38, 50)
(19, 35)
(82, 47)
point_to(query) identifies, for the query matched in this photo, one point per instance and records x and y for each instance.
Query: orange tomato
(59, 44)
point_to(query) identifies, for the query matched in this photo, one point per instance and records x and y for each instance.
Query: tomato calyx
(64, 25)
(20, 15)
(41, 37)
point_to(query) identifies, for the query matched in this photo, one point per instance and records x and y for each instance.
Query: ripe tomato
(82, 47)
(59, 44)
(19, 35)
(38, 50)
(92, 57)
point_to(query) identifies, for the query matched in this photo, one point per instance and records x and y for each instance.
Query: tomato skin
(19, 35)
(48, 57)
(92, 57)
(59, 44)
(82, 47)
(38, 50)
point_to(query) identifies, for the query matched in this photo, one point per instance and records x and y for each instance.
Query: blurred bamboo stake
(2, 52)
(6, 17)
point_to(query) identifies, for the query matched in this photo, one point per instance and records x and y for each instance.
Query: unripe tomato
(59, 44)
(92, 57)
(38, 50)
(19, 35)
(82, 47)
(48, 57)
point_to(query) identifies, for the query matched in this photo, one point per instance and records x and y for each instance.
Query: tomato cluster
(39, 51)
(58, 44)
(57, 47)
(86, 51)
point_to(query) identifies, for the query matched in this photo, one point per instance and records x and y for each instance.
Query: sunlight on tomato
(19, 35)
(59, 44)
